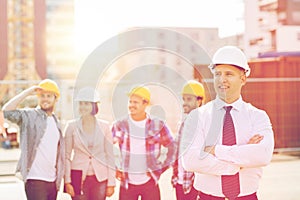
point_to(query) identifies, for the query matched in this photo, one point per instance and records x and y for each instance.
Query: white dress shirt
(203, 127)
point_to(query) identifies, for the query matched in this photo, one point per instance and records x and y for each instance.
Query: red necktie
(230, 183)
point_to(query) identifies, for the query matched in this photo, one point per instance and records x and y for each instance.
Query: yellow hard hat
(194, 88)
(141, 91)
(49, 86)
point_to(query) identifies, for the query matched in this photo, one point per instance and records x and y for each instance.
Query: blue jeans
(93, 189)
(192, 195)
(40, 190)
(147, 191)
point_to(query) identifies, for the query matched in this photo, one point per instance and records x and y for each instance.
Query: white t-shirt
(180, 171)
(138, 161)
(43, 166)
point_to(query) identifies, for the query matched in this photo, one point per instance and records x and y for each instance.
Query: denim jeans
(40, 190)
(93, 189)
(192, 195)
(147, 191)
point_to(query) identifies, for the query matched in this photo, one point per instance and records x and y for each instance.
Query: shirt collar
(147, 116)
(41, 112)
(220, 104)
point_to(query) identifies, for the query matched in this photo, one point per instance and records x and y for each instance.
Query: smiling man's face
(228, 82)
(47, 101)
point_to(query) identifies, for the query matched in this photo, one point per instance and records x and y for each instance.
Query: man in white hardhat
(229, 140)
(231, 55)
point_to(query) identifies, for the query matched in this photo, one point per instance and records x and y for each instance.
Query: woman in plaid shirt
(140, 139)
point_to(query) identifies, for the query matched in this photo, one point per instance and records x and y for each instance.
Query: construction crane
(22, 46)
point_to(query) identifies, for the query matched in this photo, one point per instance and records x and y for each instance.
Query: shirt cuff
(67, 179)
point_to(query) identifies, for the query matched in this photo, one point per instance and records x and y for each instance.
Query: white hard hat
(88, 94)
(230, 55)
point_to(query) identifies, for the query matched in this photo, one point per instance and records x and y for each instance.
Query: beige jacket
(101, 156)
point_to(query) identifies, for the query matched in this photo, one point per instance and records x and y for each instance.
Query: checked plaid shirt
(157, 135)
(188, 177)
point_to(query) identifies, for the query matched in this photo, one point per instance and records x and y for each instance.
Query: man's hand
(255, 139)
(210, 149)
(69, 189)
(120, 175)
(110, 191)
(33, 90)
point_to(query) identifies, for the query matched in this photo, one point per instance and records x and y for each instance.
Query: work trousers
(147, 191)
(192, 195)
(40, 190)
(93, 189)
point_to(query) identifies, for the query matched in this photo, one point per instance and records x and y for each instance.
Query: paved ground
(281, 179)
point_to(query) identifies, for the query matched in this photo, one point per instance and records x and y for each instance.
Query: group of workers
(218, 152)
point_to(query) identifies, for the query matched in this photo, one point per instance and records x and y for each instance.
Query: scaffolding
(20, 50)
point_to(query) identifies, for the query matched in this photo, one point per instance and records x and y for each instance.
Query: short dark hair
(95, 108)
(199, 98)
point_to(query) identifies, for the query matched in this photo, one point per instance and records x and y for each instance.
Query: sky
(97, 21)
